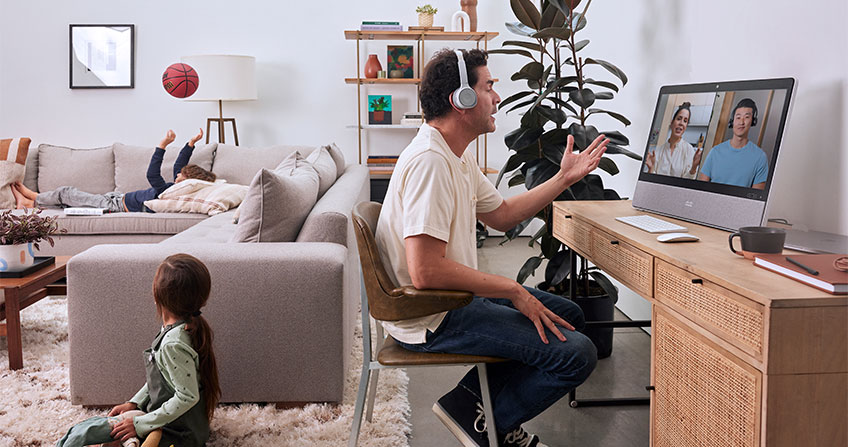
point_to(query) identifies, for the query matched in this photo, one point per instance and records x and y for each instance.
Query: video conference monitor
(712, 150)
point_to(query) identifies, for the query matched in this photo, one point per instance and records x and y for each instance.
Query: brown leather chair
(387, 302)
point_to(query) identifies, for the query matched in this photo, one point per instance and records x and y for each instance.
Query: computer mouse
(678, 237)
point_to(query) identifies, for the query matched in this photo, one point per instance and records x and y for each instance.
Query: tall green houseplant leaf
(560, 99)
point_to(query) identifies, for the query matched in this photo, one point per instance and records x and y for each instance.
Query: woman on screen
(676, 157)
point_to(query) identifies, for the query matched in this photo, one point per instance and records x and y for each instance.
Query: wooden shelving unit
(420, 37)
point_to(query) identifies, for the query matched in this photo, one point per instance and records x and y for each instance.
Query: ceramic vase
(470, 8)
(15, 258)
(372, 66)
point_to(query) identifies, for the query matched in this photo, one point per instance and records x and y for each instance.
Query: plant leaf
(584, 97)
(522, 136)
(615, 115)
(521, 104)
(562, 103)
(520, 43)
(583, 135)
(531, 70)
(606, 84)
(553, 32)
(514, 98)
(608, 165)
(517, 179)
(559, 267)
(512, 51)
(539, 171)
(590, 187)
(552, 16)
(577, 45)
(605, 284)
(525, 11)
(617, 137)
(565, 5)
(616, 149)
(555, 115)
(609, 67)
(528, 269)
(520, 29)
(603, 95)
(514, 232)
(550, 245)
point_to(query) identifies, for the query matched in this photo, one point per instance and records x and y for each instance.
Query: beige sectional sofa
(282, 312)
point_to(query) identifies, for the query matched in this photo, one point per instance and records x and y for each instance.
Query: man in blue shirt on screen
(738, 161)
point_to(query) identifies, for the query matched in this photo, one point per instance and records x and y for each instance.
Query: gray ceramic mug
(758, 240)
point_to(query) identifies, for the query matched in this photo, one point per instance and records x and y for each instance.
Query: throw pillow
(198, 196)
(13, 156)
(89, 170)
(238, 164)
(338, 157)
(131, 163)
(323, 163)
(277, 203)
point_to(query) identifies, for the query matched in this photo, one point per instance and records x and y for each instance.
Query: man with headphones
(426, 235)
(738, 161)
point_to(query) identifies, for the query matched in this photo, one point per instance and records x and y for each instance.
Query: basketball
(180, 80)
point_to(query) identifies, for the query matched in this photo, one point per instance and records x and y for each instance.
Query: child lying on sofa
(115, 202)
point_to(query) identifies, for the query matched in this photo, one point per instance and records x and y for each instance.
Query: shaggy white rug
(35, 409)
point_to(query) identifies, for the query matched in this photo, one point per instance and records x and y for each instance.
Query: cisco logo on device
(688, 204)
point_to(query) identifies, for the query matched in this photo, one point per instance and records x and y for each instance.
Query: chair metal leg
(488, 409)
(359, 406)
(372, 394)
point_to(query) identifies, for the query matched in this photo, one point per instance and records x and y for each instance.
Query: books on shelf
(80, 211)
(375, 25)
(826, 276)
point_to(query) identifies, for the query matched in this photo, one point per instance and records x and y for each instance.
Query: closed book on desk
(829, 278)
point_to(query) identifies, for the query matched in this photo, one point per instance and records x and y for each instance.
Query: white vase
(14, 258)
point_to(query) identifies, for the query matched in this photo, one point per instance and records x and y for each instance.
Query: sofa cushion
(131, 164)
(216, 229)
(237, 164)
(13, 156)
(125, 223)
(338, 157)
(31, 175)
(324, 165)
(198, 196)
(278, 202)
(89, 170)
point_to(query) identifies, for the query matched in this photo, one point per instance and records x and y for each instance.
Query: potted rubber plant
(20, 235)
(560, 99)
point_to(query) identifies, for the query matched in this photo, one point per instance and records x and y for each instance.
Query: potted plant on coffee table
(20, 235)
(560, 100)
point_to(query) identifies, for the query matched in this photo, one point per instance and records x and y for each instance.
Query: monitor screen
(720, 139)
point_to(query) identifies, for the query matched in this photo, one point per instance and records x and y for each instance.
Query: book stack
(412, 119)
(369, 25)
(382, 164)
(819, 271)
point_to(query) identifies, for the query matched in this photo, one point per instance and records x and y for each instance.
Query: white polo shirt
(432, 192)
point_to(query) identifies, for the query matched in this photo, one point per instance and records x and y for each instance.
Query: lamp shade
(223, 77)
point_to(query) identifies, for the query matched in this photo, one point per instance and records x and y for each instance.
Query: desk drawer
(732, 317)
(572, 232)
(626, 263)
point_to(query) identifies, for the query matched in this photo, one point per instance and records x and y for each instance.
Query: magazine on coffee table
(83, 211)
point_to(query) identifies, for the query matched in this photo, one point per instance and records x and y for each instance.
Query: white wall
(302, 58)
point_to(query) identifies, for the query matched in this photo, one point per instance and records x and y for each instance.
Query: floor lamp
(223, 78)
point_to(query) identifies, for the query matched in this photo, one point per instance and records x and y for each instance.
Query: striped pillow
(13, 155)
(198, 196)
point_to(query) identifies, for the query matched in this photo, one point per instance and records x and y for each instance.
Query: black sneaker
(520, 438)
(462, 414)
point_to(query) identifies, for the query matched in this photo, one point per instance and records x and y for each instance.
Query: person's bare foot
(195, 138)
(170, 136)
(21, 202)
(28, 193)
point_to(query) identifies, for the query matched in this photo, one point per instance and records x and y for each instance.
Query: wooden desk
(20, 293)
(740, 356)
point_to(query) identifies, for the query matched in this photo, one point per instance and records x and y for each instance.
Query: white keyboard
(651, 224)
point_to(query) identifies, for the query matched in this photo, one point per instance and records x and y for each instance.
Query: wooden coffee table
(20, 293)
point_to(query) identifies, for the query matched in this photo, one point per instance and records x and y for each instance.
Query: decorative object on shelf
(382, 74)
(470, 8)
(425, 15)
(372, 66)
(399, 59)
(380, 26)
(379, 109)
(552, 99)
(459, 20)
(225, 78)
(20, 233)
(102, 56)
(180, 80)
(426, 28)
(412, 119)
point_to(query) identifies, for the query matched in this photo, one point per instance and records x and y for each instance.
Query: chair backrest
(386, 301)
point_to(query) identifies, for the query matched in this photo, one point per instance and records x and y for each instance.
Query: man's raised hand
(575, 166)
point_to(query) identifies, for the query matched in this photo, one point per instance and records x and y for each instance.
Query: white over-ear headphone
(464, 97)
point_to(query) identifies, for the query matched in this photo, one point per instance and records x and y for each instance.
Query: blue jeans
(65, 196)
(537, 374)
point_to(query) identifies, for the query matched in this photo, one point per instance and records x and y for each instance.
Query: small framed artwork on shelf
(379, 109)
(399, 61)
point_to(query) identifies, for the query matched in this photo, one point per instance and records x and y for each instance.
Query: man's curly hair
(194, 171)
(441, 78)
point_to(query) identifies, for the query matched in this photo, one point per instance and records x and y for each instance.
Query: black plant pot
(596, 307)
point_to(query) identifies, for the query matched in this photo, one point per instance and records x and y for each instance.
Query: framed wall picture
(102, 56)
(379, 109)
(399, 61)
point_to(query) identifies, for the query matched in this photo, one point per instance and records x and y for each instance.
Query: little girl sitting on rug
(182, 389)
